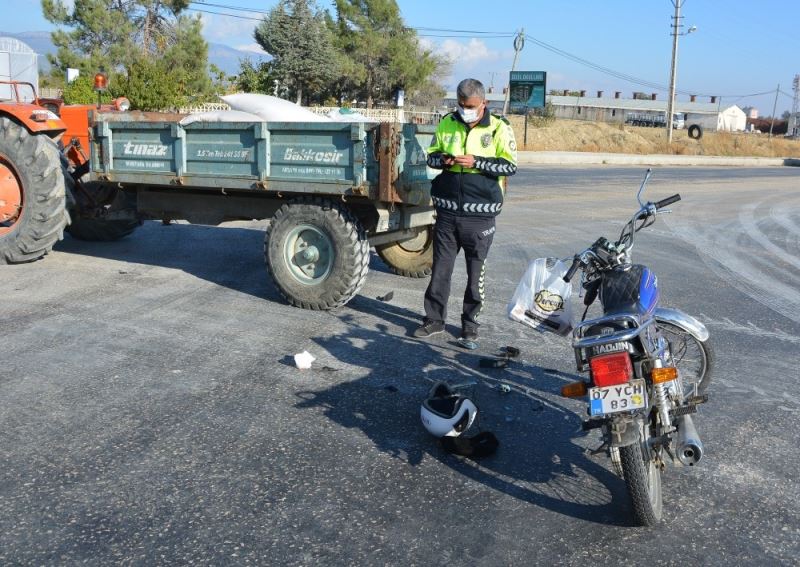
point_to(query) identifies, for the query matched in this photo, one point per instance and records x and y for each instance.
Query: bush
(542, 117)
(81, 91)
(150, 85)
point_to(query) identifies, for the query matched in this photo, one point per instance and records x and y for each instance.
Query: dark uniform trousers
(451, 234)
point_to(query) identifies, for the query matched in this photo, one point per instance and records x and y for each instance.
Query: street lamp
(676, 25)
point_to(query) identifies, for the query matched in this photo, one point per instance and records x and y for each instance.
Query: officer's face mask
(469, 115)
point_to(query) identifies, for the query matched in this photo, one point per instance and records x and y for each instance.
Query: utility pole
(774, 106)
(796, 107)
(676, 24)
(519, 43)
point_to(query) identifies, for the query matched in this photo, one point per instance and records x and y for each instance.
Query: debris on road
(303, 360)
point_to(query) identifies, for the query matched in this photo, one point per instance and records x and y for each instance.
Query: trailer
(654, 120)
(331, 191)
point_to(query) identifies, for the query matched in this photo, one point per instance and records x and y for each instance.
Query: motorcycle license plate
(613, 399)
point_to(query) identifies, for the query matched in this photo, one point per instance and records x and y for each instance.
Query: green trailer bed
(347, 186)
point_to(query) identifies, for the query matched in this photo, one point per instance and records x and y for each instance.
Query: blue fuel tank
(634, 290)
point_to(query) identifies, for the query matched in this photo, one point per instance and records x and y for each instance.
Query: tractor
(43, 165)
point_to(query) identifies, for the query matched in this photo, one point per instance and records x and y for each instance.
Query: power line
(631, 78)
(483, 34)
(506, 36)
(228, 7)
(226, 15)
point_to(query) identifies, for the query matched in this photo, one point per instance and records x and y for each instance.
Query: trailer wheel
(32, 194)
(410, 258)
(317, 253)
(695, 131)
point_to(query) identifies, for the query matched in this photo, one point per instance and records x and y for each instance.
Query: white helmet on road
(445, 413)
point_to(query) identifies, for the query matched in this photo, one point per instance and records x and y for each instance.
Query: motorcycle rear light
(611, 369)
(661, 375)
(574, 390)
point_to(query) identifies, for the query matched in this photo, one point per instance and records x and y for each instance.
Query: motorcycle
(648, 366)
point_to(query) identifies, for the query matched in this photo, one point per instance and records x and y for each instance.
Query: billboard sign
(527, 90)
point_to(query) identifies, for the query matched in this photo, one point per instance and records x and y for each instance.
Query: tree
(384, 55)
(254, 78)
(430, 93)
(132, 40)
(81, 91)
(296, 36)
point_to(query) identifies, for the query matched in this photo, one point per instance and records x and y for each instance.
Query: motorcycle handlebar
(576, 262)
(668, 201)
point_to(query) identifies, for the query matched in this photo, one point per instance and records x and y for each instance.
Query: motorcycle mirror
(641, 188)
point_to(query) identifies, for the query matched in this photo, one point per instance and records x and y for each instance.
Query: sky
(739, 49)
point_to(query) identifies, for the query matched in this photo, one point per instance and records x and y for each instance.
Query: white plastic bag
(541, 299)
(220, 116)
(272, 108)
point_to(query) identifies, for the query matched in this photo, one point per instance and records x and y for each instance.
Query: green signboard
(527, 90)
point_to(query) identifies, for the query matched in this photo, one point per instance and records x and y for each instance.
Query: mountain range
(225, 57)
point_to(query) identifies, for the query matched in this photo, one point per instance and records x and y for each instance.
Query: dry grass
(581, 136)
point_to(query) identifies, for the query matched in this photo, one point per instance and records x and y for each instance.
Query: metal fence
(204, 107)
(376, 114)
(387, 114)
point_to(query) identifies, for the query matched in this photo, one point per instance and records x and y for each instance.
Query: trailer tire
(32, 175)
(102, 230)
(330, 239)
(411, 258)
(695, 131)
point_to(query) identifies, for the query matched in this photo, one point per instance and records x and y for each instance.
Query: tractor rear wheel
(33, 209)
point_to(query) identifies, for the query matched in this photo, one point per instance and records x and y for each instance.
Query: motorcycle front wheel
(691, 357)
(642, 475)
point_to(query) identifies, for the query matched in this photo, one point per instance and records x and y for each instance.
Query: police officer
(476, 151)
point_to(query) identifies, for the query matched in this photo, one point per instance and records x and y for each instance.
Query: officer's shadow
(537, 462)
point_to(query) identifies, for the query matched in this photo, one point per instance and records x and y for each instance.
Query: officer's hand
(465, 161)
(448, 160)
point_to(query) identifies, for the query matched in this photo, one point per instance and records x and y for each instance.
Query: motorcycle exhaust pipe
(689, 445)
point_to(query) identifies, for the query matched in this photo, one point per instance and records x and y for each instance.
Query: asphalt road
(150, 412)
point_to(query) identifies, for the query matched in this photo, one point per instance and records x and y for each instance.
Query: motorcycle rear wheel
(643, 480)
(691, 357)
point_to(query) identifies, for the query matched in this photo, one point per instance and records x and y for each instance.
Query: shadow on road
(228, 256)
(537, 462)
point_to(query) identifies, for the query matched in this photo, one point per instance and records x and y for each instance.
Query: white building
(18, 62)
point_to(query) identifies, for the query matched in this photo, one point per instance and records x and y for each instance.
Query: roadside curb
(586, 158)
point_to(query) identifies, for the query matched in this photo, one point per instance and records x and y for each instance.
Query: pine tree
(383, 54)
(156, 56)
(295, 34)
(254, 77)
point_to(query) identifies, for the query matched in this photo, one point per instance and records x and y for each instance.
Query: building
(751, 112)
(709, 115)
(495, 100)
(18, 62)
